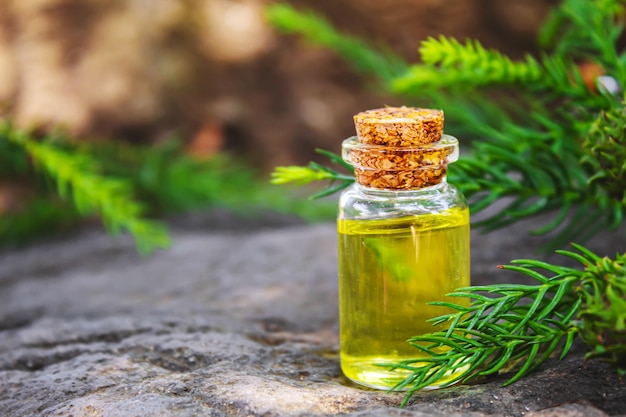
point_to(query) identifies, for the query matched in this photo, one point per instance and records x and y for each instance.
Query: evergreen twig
(138, 181)
(526, 324)
(77, 179)
(364, 59)
(316, 172)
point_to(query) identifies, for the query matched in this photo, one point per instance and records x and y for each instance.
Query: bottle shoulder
(356, 202)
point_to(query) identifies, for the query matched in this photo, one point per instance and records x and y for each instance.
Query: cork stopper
(399, 126)
(400, 148)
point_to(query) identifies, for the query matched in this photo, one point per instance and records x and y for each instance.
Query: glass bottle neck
(383, 193)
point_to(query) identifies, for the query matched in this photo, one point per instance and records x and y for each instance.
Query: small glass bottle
(403, 239)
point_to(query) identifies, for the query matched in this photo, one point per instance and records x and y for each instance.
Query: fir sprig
(168, 180)
(77, 178)
(446, 62)
(605, 152)
(602, 318)
(316, 172)
(524, 324)
(587, 30)
(124, 184)
(365, 59)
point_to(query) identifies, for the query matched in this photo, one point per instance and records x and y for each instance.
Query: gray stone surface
(232, 320)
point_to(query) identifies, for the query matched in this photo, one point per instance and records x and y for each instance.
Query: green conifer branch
(602, 318)
(525, 324)
(365, 59)
(587, 30)
(77, 179)
(169, 181)
(448, 63)
(605, 152)
(316, 172)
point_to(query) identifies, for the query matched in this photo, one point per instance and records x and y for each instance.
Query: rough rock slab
(230, 321)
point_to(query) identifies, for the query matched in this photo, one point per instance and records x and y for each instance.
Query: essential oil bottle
(403, 239)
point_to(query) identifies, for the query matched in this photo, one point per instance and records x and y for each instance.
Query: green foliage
(602, 317)
(13, 158)
(500, 326)
(316, 172)
(76, 176)
(40, 216)
(365, 59)
(448, 63)
(168, 181)
(587, 30)
(126, 187)
(605, 152)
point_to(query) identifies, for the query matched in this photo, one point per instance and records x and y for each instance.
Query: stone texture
(577, 409)
(236, 320)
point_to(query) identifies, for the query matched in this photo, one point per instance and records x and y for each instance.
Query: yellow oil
(389, 270)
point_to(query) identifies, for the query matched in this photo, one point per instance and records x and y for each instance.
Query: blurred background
(214, 73)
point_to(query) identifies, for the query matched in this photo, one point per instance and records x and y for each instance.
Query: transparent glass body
(398, 251)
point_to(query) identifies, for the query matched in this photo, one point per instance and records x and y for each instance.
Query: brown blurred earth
(214, 73)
